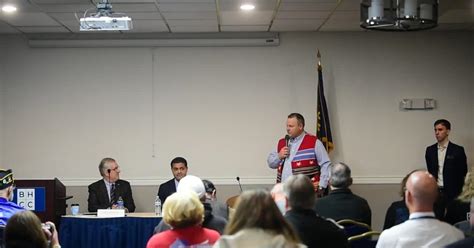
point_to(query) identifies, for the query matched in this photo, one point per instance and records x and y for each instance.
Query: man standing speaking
(300, 153)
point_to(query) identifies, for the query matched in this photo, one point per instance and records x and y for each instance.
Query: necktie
(113, 200)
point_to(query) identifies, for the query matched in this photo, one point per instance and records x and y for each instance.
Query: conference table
(90, 231)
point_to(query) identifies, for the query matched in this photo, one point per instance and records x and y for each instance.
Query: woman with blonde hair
(459, 209)
(184, 213)
(257, 222)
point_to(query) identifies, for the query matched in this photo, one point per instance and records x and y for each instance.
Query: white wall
(224, 108)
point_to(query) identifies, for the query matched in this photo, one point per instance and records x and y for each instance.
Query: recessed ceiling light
(8, 8)
(247, 7)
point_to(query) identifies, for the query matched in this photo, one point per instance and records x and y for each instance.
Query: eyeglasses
(116, 168)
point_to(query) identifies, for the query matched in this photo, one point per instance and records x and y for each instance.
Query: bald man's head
(422, 191)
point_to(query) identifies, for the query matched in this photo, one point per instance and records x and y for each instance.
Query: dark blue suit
(454, 169)
(99, 197)
(166, 189)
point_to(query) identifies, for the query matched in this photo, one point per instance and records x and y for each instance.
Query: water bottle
(120, 203)
(158, 206)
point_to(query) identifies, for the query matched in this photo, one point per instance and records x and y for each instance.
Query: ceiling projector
(105, 23)
(104, 19)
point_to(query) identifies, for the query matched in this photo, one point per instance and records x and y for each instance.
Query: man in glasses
(7, 207)
(106, 192)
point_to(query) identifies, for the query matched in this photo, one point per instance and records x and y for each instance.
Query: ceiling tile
(61, 1)
(143, 26)
(302, 14)
(457, 16)
(349, 5)
(134, 7)
(7, 29)
(144, 15)
(244, 28)
(65, 16)
(179, 7)
(72, 25)
(194, 29)
(30, 19)
(341, 25)
(346, 15)
(129, 1)
(190, 15)
(67, 7)
(185, 1)
(59, 29)
(192, 22)
(296, 25)
(246, 18)
(260, 5)
(307, 6)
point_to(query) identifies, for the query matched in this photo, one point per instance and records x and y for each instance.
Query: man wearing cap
(106, 192)
(211, 221)
(7, 207)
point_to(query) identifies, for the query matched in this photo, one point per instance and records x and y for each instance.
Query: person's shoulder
(169, 182)
(455, 146)
(96, 183)
(432, 147)
(123, 182)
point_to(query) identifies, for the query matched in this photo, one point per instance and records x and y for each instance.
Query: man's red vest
(304, 161)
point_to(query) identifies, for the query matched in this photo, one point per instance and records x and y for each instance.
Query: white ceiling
(199, 16)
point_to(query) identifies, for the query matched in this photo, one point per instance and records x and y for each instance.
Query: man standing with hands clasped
(447, 163)
(300, 153)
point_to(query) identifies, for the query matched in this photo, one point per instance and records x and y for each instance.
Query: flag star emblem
(311, 162)
(298, 164)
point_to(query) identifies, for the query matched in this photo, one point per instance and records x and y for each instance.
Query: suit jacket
(454, 169)
(343, 204)
(165, 190)
(315, 231)
(99, 197)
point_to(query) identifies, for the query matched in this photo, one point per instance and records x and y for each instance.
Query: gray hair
(340, 175)
(300, 192)
(102, 168)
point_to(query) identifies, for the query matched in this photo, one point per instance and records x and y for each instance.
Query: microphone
(287, 143)
(287, 140)
(240, 186)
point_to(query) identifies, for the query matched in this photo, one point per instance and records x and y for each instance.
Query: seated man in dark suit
(211, 221)
(105, 193)
(341, 203)
(179, 168)
(313, 230)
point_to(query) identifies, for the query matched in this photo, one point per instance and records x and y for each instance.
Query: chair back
(353, 228)
(364, 240)
(465, 227)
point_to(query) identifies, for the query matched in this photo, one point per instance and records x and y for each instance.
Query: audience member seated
(341, 203)
(257, 222)
(422, 229)
(458, 210)
(7, 207)
(218, 208)
(397, 212)
(24, 230)
(196, 185)
(184, 213)
(279, 197)
(179, 168)
(105, 193)
(313, 230)
(469, 240)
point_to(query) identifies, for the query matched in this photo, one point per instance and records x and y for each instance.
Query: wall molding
(221, 180)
